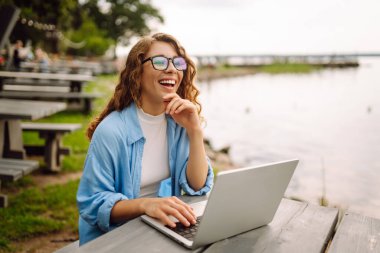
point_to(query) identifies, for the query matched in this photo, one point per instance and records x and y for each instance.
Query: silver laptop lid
(243, 199)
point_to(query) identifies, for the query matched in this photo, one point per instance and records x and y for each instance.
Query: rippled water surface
(330, 120)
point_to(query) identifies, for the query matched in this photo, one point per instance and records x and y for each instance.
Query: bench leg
(87, 106)
(52, 151)
(13, 144)
(3, 199)
(2, 130)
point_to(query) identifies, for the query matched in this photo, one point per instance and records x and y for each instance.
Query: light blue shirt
(112, 170)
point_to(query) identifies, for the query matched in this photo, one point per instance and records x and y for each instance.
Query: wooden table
(296, 227)
(12, 111)
(75, 80)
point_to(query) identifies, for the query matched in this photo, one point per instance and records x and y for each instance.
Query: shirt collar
(134, 130)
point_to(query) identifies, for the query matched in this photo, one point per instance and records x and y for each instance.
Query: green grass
(36, 211)
(281, 68)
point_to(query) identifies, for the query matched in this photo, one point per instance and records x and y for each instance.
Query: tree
(54, 12)
(109, 22)
(123, 19)
(95, 39)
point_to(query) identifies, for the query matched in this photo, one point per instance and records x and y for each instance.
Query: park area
(314, 113)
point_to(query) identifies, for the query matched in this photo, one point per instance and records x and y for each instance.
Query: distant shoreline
(211, 73)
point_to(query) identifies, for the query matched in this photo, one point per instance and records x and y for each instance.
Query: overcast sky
(272, 26)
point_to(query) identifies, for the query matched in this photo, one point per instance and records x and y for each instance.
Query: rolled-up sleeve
(96, 195)
(205, 189)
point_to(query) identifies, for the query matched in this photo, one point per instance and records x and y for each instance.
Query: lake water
(330, 120)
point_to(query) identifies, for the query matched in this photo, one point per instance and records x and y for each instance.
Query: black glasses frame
(169, 59)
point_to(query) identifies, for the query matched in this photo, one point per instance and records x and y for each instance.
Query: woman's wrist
(195, 132)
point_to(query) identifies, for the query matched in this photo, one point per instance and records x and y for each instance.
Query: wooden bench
(12, 170)
(52, 133)
(71, 97)
(74, 86)
(356, 233)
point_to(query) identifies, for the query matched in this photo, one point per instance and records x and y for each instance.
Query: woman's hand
(182, 111)
(161, 208)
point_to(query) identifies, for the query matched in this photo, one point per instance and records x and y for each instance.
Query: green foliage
(123, 19)
(55, 12)
(39, 211)
(100, 23)
(96, 41)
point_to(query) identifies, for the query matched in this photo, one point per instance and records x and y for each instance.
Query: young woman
(149, 133)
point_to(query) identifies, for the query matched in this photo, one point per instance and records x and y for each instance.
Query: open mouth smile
(167, 83)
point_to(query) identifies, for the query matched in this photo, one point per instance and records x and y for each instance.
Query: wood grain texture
(357, 233)
(296, 227)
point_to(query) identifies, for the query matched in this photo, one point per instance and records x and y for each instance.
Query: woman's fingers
(165, 219)
(173, 104)
(189, 209)
(162, 208)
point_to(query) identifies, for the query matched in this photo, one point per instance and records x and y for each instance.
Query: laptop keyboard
(187, 232)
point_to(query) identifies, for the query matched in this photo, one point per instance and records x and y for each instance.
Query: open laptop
(241, 200)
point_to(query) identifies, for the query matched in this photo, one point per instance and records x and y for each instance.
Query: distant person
(42, 59)
(149, 134)
(17, 55)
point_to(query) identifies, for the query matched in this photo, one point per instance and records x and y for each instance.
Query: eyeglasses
(160, 62)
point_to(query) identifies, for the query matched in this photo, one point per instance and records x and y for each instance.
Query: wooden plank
(28, 109)
(47, 94)
(296, 227)
(49, 76)
(10, 174)
(357, 233)
(69, 248)
(136, 236)
(41, 82)
(25, 166)
(50, 127)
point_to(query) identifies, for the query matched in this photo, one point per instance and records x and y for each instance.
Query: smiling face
(157, 83)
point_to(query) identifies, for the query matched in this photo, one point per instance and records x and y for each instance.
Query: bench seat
(12, 170)
(70, 97)
(35, 82)
(52, 133)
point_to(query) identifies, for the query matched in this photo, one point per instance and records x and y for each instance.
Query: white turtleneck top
(155, 160)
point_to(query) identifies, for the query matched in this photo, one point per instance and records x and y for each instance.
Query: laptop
(241, 200)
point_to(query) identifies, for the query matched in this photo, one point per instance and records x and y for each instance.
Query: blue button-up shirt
(112, 170)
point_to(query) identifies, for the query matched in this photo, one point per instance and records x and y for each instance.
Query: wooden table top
(28, 109)
(48, 76)
(296, 227)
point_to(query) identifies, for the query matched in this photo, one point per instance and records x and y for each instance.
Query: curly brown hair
(128, 89)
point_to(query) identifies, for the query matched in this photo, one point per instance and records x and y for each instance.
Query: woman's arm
(185, 114)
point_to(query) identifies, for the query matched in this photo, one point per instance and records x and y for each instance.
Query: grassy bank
(226, 71)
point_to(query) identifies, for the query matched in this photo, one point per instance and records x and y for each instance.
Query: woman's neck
(153, 109)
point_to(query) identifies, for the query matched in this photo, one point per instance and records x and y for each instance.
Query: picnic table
(74, 81)
(51, 84)
(296, 227)
(11, 143)
(12, 111)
